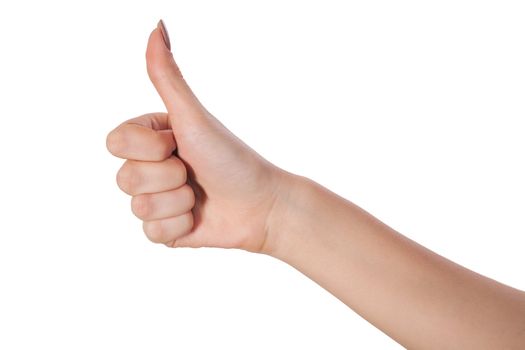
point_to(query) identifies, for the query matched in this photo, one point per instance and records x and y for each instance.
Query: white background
(414, 110)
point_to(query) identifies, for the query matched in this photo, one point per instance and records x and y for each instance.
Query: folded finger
(169, 229)
(146, 138)
(139, 177)
(155, 206)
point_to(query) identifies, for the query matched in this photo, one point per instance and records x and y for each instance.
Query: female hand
(192, 182)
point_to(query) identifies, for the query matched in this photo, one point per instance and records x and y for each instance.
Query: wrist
(289, 210)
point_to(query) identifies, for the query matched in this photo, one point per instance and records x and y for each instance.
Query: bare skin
(195, 184)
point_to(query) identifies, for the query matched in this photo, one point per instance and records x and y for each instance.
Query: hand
(193, 182)
(218, 192)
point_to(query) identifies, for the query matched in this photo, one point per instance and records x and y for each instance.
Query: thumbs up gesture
(192, 182)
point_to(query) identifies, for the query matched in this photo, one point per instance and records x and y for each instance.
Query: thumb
(166, 77)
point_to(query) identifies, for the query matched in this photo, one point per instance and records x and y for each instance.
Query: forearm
(417, 297)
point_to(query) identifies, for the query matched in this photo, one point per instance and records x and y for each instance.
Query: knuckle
(141, 206)
(116, 142)
(179, 170)
(154, 231)
(184, 227)
(164, 149)
(189, 195)
(128, 179)
(187, 223)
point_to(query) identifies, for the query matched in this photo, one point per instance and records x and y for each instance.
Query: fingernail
(165, 35)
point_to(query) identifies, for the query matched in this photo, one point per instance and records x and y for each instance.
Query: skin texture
(195, 184)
